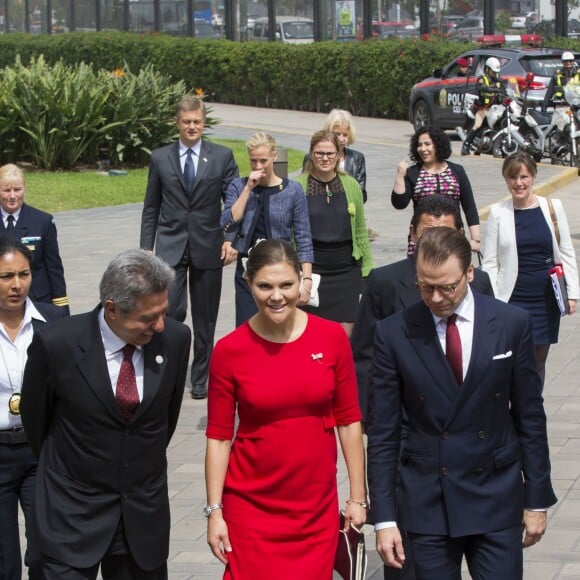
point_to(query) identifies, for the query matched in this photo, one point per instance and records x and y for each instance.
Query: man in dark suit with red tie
(181, 218)
(475, 463)
(100, 401)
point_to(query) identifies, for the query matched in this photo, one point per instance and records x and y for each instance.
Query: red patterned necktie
(126, 392)
(453, 348)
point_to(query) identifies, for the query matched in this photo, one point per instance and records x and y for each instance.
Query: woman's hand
(402, 168)
(475, 245)
(254, 178)
(572, 305)
(355, 514)
(217, 536)
(305, 292)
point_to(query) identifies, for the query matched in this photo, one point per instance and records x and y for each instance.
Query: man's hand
(390, 547)
(535, 524)
(229, 254)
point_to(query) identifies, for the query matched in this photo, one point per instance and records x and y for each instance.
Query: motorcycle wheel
(486, 141)
(501, 147)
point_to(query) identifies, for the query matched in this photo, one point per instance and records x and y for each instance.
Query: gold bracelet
(362, 504)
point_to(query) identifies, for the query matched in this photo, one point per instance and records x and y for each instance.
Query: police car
(439, 99)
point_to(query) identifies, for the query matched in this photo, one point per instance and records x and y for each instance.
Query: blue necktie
(189, 171)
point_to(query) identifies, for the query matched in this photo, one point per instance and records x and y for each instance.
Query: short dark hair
(8, 246)
(134, 274)
(440, 140)
(438, 244)
(514, 162)
(268, 253)
(437, 206)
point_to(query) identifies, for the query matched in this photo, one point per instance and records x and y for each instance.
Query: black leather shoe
(199, 392)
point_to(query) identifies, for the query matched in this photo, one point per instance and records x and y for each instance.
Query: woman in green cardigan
(342, 252)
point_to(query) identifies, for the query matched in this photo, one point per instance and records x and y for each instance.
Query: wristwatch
(211, 508)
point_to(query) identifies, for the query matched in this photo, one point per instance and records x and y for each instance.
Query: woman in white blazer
(521, 248)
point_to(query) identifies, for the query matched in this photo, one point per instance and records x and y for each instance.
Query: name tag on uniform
(30, 242)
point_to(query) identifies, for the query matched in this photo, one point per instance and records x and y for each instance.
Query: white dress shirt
(113, 346)
(12, 361)
(196, 149)
(5, 215)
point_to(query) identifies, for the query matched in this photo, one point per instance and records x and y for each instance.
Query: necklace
(329, 193)
(14, 400)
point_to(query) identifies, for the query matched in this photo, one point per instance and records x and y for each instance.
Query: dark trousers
(489, 556)
(17, 476)
(116, 564)
(205, 288)
(245, 304)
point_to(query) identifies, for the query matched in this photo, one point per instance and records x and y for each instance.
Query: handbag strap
(554, 220)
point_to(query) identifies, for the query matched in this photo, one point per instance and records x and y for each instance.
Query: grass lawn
(62, 191)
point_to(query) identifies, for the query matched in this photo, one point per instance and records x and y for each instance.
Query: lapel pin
(317, 357)
(159, 359)
(205, 159)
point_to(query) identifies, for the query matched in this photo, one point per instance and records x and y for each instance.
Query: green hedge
(370, 78)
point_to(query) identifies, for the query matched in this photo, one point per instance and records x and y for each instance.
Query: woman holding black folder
(526, 236)
(272, 492)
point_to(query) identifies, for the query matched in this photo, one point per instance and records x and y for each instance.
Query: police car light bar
(499, 40)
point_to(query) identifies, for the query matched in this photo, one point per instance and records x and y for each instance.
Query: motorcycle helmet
(492, 64)
(567, 56)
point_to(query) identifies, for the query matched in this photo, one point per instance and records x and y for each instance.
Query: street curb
(566, 176)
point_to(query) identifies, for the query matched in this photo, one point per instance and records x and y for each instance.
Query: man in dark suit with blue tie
(475, 463)
(181, 218)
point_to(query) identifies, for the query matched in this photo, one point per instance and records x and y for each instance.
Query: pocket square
(500, 356)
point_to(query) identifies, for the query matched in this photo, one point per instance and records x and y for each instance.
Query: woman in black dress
(342, 253)
(522, 246)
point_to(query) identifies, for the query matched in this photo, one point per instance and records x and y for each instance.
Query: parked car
(467, 29)
(390, 29)
(289, 29)
(518, 22)
(547, 28)
(439, 99)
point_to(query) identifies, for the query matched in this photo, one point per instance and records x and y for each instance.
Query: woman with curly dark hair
(427, 171)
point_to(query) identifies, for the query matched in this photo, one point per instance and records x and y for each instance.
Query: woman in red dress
(272, 492)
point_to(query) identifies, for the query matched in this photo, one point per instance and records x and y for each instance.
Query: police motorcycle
(542, 137)
(567, 119)
(508, 139)
(483, 143)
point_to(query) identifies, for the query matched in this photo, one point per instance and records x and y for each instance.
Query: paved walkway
(90, 238)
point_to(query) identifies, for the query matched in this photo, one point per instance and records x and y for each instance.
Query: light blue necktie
(189, 171)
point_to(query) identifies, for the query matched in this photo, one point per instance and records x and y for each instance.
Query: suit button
(498, 396)
(445, 435)
(125, 464)
(480, 470)
(444, 471)
(420, 399)
(481, 434)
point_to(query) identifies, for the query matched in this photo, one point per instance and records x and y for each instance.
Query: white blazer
(500, 257)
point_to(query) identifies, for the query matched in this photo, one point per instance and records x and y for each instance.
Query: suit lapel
(92, 364)
(407, 289)
(423, 337)
(202, 164)
(154, 365)
(483, 344)
(173, 158)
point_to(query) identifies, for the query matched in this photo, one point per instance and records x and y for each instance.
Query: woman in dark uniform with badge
(19, 317)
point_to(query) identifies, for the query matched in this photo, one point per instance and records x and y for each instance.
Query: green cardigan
(361, 247)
